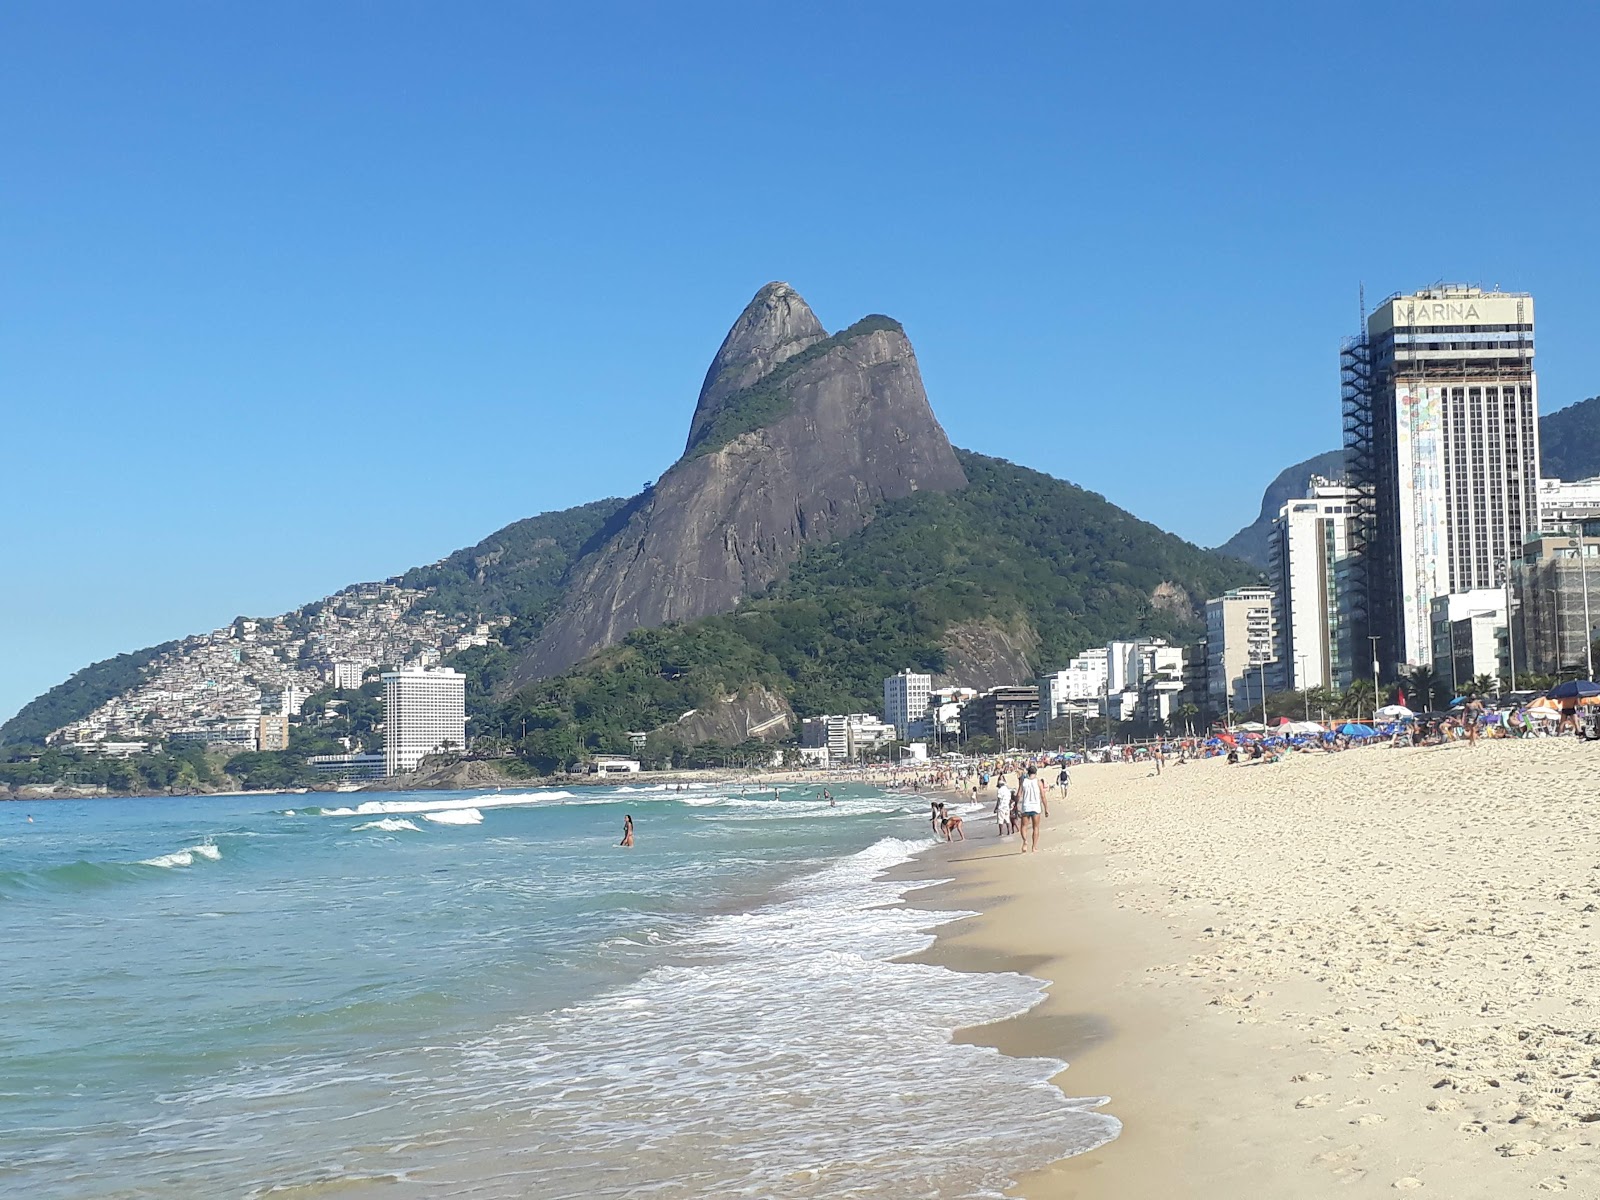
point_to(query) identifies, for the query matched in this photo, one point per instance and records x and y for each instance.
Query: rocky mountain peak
(775, 326)
(798, 437)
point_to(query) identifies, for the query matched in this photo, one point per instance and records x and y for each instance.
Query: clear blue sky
(297, 295)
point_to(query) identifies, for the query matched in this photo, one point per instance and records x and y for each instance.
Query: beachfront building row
(1133, 680)
(844, 738)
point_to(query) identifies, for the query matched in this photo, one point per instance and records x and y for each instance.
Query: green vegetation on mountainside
(519, 570)
(1569, 441)
(82, 693)
(1014, 543)
(766, 400)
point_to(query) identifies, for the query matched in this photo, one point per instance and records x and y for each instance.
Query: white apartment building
(1311, 538)
(1082, 682)
(347, 676)
(424, 712)
(845, 737)
(1240, 641)
(1140, 678)
(1443, 435)
(905, 699)
(1469, 632)
(1563, 504)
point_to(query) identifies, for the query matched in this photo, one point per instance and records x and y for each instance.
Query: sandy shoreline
(1345, 974)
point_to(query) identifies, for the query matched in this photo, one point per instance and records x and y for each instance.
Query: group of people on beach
(1021, 809)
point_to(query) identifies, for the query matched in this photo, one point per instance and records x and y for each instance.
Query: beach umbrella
(1398, 712)
(1358, 731)
(1574, 689)
(1299, 727)
(1251, 727)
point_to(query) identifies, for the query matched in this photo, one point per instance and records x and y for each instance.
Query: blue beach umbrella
(1574, 689)
(1358, 731)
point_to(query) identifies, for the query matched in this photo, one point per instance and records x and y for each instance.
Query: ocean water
(482, 995)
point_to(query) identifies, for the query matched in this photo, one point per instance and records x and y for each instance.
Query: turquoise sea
(482, 995)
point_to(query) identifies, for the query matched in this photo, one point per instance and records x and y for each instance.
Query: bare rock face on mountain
(985, 654)
(758, 712)
(773, 328)
(796, 439)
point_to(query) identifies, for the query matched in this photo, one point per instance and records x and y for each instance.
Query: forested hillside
(81, 693)
(1014, 544)
(1569, 441)
(516, 571)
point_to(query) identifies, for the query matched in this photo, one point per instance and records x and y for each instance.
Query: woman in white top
(1031, 803)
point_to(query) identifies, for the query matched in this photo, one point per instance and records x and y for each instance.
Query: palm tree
(1187, 713)
(1322, 700)
(1421, 685)
(1358, 698)
(1485, 685)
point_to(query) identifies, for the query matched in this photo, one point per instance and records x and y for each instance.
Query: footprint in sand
(1368, 1119)
(1316, 1101)
(1407, 1183)
(1552, 1185)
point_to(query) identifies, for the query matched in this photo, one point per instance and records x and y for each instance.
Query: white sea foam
(372, 808)
(389, 825)
(453, 816)
(185, 857)
(795, 1008)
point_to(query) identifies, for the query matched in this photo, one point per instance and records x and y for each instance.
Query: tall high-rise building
(1239, 646)
(424, 712)
(1311, 539)
(1441, 419)
(905, 699)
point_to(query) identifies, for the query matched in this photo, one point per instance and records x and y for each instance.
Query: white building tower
(424, 712)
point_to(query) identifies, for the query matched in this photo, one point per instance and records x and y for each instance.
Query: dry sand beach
(1338, 975)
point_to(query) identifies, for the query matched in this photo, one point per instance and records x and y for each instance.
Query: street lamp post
(1511, 642)
(1588, 628)
(1305, 692)
(1373, 638)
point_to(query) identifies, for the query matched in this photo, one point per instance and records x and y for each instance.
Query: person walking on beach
(1030, 803)
(1002, 811)
(627, 831)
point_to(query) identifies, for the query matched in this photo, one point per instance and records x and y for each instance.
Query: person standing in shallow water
(627, 830)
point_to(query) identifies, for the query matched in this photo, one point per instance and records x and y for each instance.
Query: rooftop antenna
(1361, 293)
